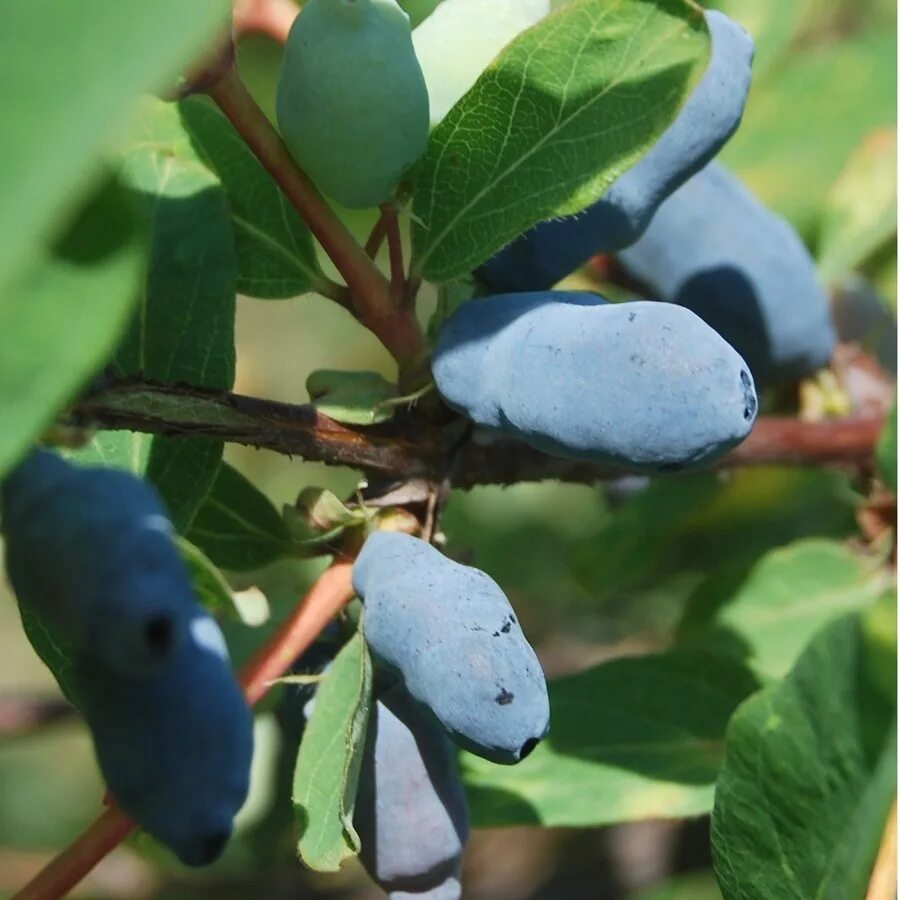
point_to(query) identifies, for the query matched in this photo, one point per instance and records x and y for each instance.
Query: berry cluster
(651, 386)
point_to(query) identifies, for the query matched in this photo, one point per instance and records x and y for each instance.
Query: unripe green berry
(352, 103)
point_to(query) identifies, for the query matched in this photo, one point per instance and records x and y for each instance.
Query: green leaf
(791, 594)
(276, 255)
(183, 471)
(57, 657)
(183, 331)
(237, 527)
(208, 581)
(128, 450)
(323, 510)
(630, 739)
(809, 778)
(879, 623)
(70, 73)
(886, 452)
(694, 886)
(60, 320)
(861, 211)
(568, 106)
(184, 328)
(212, 589)
(703, 529)
(789, 150)
(328, 763)
(354, 398)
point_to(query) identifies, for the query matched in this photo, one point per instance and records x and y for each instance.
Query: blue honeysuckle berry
(451, 634)
(550, 251)
(90, 551)
(411, 813)
(643, 385)
(715, 249)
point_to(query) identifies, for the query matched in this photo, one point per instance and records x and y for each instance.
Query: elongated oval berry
(550, 251)
(90, 551)
(450, 633)
(716, 250)
(352, 103)
(411, 813)
(175, 746)
(643, 385)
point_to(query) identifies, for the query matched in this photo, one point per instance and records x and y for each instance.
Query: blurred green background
(593, 574)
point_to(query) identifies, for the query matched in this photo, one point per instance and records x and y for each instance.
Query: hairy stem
(325, 599)
(395, 327)
(291, 430)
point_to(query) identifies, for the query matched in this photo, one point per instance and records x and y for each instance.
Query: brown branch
(395, 326)
(325, 599)
(23, 715)
(400, 451)
(788, 441)
(270, 18)
(284, 428)
(774, 441)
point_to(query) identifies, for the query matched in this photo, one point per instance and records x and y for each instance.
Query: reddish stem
(271, 18)
(788, 440)
(395, 327)
(22, 715)
(68, 868)
(325, 599)
(376, 237)
(395, 249)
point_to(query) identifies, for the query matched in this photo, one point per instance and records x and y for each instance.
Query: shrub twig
(401, 453)
(395, 249)
(23, 715)
(395, 326)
